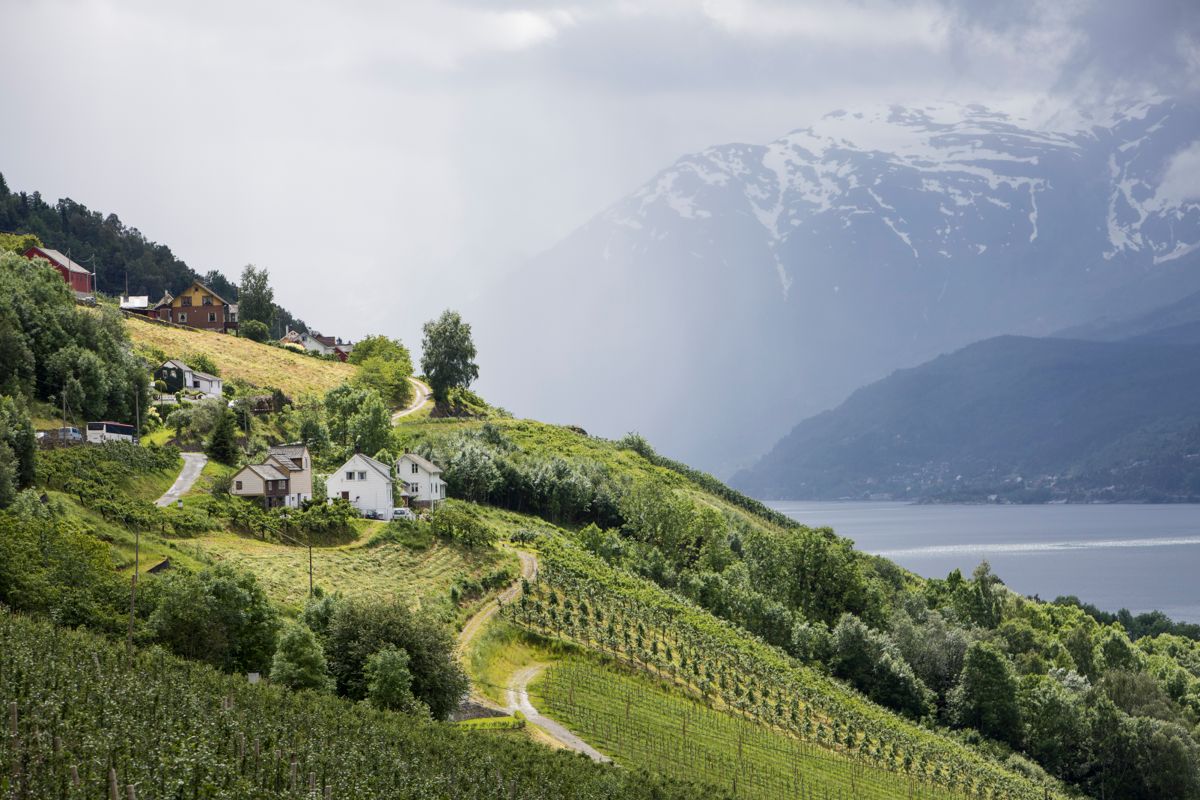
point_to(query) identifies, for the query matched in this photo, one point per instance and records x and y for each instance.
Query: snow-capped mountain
(747, 286)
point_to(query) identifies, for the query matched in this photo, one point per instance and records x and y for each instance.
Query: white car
(403, 513)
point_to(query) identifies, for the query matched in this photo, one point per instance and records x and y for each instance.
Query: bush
(220, 616)
(358, 631)
(454, 523)
(299, 661)
(254, 330)
(872, 664)
(389, 682)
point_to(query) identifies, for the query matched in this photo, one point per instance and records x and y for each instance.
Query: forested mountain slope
(1018, 418)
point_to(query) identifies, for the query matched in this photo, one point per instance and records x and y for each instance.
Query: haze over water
(1140, 557)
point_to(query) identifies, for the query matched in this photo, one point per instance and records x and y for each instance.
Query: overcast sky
(382, 158)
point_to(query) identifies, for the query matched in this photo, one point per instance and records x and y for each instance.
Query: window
(212, 317)
(362, 476)
(186, 300)
(237, 485)
(349, 476)
(207, 301)
(182, 317)
(414, 469)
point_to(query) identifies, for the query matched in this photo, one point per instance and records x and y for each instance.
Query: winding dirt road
(517, 688)
(421, 395)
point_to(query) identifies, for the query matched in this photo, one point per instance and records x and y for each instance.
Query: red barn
(81, 281)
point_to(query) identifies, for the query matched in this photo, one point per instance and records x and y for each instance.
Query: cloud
(1181, 179)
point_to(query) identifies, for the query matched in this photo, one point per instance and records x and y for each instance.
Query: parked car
(370, 513)
(403, 513)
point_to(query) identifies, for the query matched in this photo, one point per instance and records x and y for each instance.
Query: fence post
(112, 784)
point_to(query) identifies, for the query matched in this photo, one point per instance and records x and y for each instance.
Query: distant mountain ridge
(747, 286)
(1012, 419)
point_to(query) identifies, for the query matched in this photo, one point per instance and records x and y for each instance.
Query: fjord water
(1140, 557)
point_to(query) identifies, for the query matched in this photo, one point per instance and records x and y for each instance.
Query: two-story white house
(366, 483)
(422, 479)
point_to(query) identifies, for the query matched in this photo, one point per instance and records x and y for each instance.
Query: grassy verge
(500, 652)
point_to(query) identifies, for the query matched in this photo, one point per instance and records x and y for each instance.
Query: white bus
(101, 432)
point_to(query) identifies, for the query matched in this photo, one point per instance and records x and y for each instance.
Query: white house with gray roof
(365, 483)
(423, 484)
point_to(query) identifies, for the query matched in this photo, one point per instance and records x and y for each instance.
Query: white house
(366, 483)
(422, 480)
(178, 376)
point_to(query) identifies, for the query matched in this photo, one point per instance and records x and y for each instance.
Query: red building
(81, 281)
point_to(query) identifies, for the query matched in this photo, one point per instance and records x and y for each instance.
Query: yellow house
(198, 306)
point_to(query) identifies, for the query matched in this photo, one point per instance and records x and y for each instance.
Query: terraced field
(384, 572)
(258, 364)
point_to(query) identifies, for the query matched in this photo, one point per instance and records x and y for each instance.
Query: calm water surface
(1139, 557)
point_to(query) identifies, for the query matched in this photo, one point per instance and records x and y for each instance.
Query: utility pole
(310, 569)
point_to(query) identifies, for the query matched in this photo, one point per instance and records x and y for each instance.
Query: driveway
(421, 395)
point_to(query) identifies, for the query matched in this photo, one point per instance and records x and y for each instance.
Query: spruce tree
(222, 446)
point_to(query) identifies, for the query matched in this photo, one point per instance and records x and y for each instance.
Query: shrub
(299, 661)
(254, 330)
(456, 524)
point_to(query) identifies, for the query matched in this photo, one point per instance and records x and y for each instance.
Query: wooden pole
(137, 546)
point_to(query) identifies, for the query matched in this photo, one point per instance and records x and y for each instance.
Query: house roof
(58, 258)
(197, 373)
(211, 291)
(293, 450)
(285, 462)
(424, 464)
(378, 466)
(177, 364)
(267, 472)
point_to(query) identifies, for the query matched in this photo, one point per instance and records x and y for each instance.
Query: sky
(384, 160)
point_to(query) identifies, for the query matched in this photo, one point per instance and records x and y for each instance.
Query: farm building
(81, 280)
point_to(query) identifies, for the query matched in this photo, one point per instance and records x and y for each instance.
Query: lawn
(258, 364)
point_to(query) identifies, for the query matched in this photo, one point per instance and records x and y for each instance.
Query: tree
(1056, 732)
(16, 431)
(256, 298)
(358, 631)
(986, 697)
(204, 362)
(377, 346)
(220, 615)
(871, 663)
(447, 355)
(222, 446)
(389, 682)
(370, 428)
(299, 661)
(255, 331)
(388, 378)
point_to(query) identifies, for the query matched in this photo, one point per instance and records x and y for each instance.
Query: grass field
(258, 364)
(388, 571)
(641, 723)
(152, 548)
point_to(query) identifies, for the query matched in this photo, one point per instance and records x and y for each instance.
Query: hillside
(122, 257)
(678, 626)
(259, 365)
(750, 285)
(1018, 418)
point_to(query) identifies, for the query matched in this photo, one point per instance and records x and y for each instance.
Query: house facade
(316, 343)
(82, 281)
(423, 484)
(294, 461)
(179, 377)
(198, 306)
(264, 481)
(365, 483)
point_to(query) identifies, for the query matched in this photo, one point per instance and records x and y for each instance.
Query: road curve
(517, 691)
(421, 395)
(193, 464)
(518, 700)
